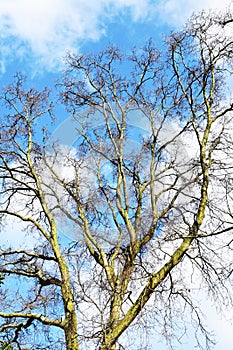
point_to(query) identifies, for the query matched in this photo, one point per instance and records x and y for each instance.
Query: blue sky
(35, 36)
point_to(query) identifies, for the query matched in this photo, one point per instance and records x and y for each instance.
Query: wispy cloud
(45, 30)
(176, 12)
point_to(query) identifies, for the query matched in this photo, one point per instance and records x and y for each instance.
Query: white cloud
(176, 12)
(46, 30)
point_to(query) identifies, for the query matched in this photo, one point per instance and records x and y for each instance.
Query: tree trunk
(70, 330)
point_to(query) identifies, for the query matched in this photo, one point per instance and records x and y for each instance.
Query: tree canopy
(150, 220)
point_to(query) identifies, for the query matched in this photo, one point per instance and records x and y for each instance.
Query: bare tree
(145, 217)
